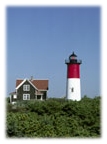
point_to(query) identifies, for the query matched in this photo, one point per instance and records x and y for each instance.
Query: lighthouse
(73, 88)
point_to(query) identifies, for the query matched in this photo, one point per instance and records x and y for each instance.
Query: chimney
(31, 79)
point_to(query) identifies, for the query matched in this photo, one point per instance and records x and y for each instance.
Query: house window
(26, 87)
(26, 96)
(39, 97)
(15, 96)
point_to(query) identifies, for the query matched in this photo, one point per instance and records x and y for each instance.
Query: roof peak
(30, 79)
(38, 84)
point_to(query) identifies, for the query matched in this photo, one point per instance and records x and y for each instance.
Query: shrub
(54, 118)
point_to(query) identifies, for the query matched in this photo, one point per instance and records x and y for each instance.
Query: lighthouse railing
(79, 61)
(73, 61)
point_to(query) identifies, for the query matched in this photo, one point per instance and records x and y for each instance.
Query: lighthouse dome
(73, 59)
(72, 56)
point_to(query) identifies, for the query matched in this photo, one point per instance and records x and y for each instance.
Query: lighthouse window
(72, 89)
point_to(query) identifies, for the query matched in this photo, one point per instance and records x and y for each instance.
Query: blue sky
(39, 39)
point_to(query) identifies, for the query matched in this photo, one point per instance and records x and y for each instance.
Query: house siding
(44, 95)
(20, 91)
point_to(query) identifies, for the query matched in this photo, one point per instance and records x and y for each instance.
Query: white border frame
(3, 5)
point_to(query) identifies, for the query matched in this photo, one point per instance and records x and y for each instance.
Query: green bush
(54, 118)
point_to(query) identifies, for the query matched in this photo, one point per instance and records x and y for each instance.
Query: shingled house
(29, 90)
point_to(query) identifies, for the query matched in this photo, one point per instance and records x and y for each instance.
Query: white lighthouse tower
(73, 90)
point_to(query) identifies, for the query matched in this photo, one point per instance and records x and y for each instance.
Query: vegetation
(54, 118)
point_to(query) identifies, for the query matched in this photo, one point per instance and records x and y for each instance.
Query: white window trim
(26, 87)
(26, 96)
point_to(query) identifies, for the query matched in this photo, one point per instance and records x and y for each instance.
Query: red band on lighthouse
(73, 71)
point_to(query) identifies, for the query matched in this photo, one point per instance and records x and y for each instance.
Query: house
(29, 90)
